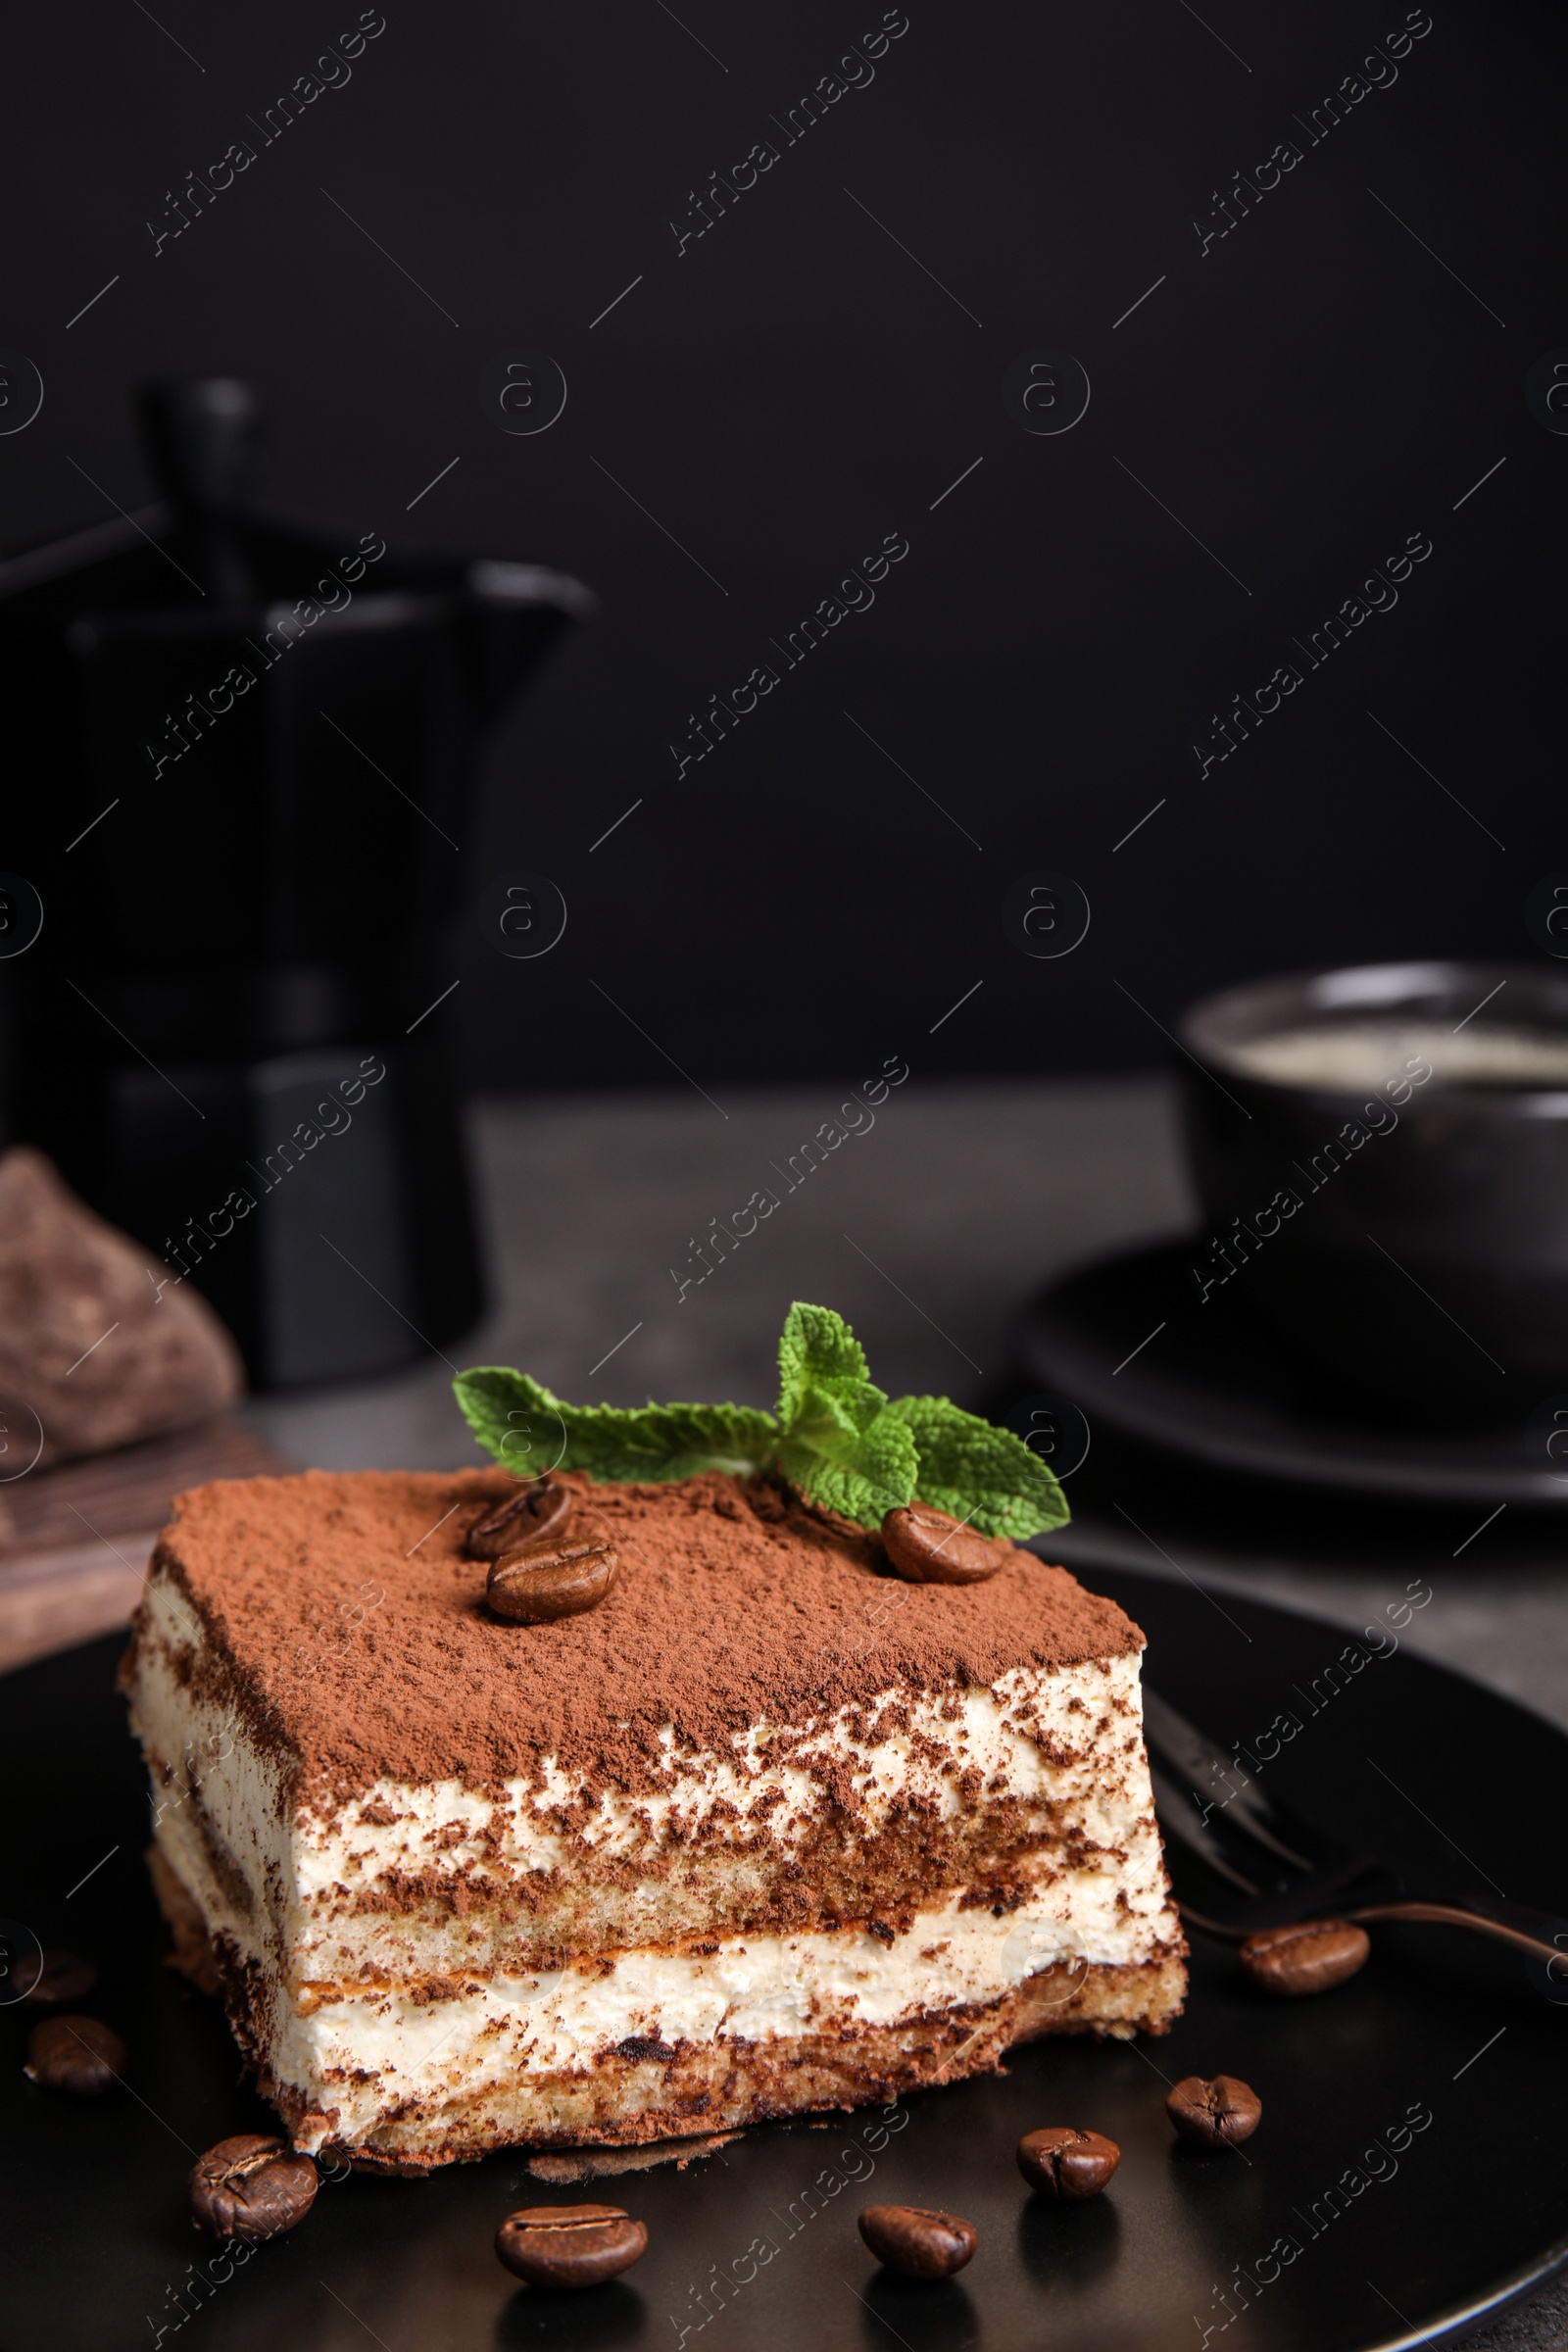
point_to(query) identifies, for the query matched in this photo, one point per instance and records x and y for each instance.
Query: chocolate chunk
(1312, 1956)
(60, 1977)
(1067, 2164)
(89, 1348)
(929, 1548)
(921, 2240)
(569, 2245)
(535, 1515)
(530, 1587)
(77, 2055)
(251, 2188)
(1216, 2113)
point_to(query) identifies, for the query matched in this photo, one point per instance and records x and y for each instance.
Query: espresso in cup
(1381, 1156)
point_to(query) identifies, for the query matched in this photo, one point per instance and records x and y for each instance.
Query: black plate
(1401, 2231)
(1207, 1380)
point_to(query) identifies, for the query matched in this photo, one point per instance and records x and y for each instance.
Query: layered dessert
(762, 1827)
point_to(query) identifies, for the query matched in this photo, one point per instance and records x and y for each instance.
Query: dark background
(1303, 396)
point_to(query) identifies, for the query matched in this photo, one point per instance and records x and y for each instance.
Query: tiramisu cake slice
(688, 1801)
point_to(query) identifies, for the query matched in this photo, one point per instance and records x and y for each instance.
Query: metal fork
(1269, 1866)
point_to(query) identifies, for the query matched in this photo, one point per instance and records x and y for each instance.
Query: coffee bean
(78, 2054)
(535, 1515)
(923, 2241)
(533, 1586)
(1312, 1956)
(1067, 2164)
(1217, 2114)
(928, 1547)
(251, 2188)
(569, 2245)
(63, 1977)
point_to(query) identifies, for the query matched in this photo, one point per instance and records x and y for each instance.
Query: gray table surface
(926, 1230)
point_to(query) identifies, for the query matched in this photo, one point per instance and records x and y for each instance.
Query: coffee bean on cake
(1067, 2164)
(1312, 1956)
(58, 1977)
(76, 2054)
(929, 1548)
(251, 2188)
(569, 2245)
(1216, 2112)
(921, 2240)
(558, 1580)
(536, 1515)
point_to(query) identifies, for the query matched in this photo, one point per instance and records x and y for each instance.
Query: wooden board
(75, 1540)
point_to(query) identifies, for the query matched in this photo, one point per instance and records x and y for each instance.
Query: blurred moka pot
(244, 759)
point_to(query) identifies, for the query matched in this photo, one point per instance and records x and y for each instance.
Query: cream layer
(413, 1880)
(375, 2053)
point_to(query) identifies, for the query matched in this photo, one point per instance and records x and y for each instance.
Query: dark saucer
(1128, 1342)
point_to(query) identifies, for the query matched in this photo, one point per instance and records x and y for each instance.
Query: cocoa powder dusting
(735, 1603)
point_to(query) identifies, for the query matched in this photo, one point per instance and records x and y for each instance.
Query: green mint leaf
(861, 1473)
(506, 1412)
(838, 1445)
(821, 1362)
(530, 1430)
(979, 1473)
(837, 1439)
(822, 1375)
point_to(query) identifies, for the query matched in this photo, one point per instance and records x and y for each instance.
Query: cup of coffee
(1382, 1158)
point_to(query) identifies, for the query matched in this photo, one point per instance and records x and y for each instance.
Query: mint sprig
(838, 1442)
(836, 1437)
